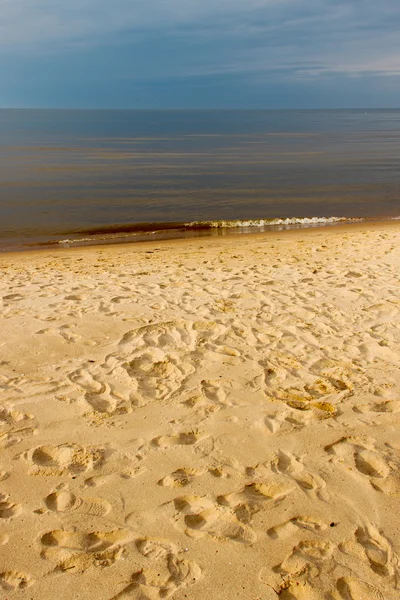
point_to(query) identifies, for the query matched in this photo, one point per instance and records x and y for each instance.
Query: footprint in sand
(181, 477)
(291, 589)
(364, 566)
(249, 500)
(288, 528)
(389, 485)
(308, 556)
(297, 577)
(64, 501)
(204, 519)
(15, 426)
(368, 461)
(181, 439)
(4, 475)
(170, 335)
(188, 505)
(8, 509)
(304, 571)
(13, 580)
(214, 392)
(316, 390)
(156, 548)
(216, 525)
(75, 551)
(378, 551)
(352, 588)
(283, 421)
(155, 374)
(56, 460)
(371, 464)
(107, 387)
(292, 467)
(382, 408)
(257, 492)
(171, 575)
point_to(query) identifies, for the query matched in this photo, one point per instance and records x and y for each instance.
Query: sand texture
(208, 419)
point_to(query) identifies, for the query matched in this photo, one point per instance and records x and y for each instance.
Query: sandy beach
(213, 418)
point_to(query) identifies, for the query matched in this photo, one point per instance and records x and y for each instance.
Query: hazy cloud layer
(160, 41)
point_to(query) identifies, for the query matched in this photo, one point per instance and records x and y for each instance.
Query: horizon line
(361, 108)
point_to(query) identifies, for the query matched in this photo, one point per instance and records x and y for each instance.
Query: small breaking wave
(141, 231)
(272, 222)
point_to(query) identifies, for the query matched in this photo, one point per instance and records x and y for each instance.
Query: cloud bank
(156, 42)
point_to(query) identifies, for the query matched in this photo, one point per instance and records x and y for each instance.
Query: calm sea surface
(110, 175)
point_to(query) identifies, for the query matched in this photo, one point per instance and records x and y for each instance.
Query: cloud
(38, 21)
(310, 37)
(152, 42)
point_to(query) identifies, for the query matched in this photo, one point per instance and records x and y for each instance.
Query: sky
(186, 54)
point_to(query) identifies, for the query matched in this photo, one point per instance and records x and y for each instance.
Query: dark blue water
(78, 174)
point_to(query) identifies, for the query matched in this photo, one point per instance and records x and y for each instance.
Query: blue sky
(200, 53)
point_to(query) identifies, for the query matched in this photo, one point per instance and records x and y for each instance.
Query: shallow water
(115, 175)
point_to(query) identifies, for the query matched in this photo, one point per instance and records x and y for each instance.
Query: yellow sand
(205, 419)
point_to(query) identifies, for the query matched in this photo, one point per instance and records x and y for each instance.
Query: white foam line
(256, 223)
(272, 222)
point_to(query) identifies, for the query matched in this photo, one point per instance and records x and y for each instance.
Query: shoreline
(192, 230)
(203, 418)
(207, 239)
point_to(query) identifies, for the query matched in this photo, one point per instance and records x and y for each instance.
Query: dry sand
(208, 419)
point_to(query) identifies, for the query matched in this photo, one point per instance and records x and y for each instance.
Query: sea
(78, 177)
